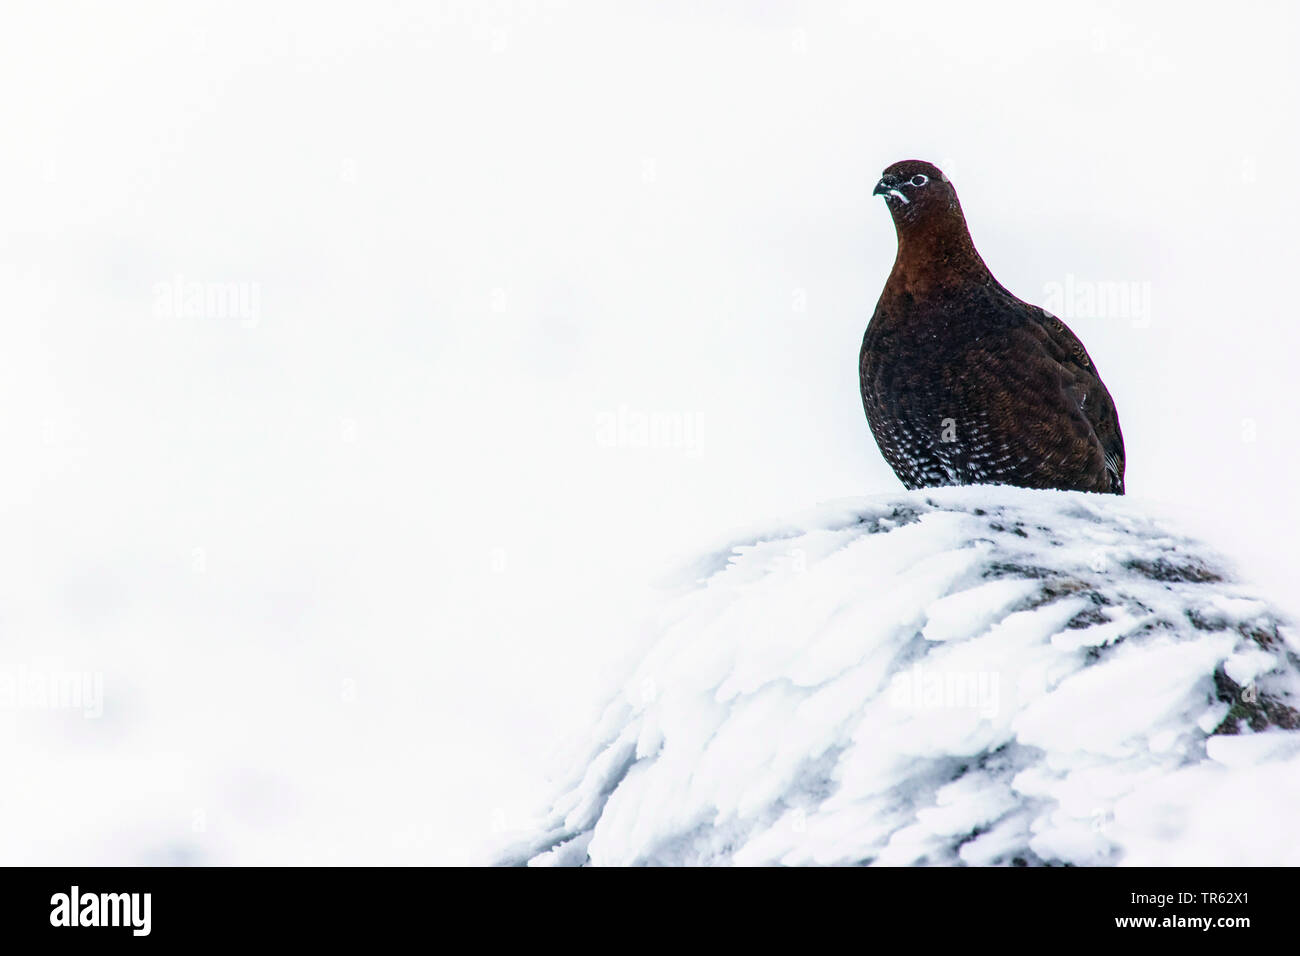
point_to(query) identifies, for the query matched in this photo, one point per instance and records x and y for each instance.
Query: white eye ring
(920, 179)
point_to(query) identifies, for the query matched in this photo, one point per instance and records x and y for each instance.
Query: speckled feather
(962, 382)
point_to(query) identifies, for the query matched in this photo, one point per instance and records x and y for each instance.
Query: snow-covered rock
(964, 675)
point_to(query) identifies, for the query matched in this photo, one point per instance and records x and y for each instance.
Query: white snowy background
(354, 564)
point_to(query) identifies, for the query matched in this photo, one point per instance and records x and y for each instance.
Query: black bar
(925, 905)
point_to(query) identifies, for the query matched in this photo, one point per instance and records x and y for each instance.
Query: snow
(964, 675)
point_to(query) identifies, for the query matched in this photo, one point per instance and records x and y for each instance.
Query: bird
(962, 382)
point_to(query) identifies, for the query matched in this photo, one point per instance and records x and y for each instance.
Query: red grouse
(962, 382)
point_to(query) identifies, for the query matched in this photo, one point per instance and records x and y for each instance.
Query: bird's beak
(889, 189)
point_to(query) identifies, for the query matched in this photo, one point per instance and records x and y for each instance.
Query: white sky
(352, 568)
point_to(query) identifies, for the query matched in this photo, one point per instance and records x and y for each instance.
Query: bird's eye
(920, 179)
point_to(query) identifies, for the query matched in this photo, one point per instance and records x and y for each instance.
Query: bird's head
(916, 192)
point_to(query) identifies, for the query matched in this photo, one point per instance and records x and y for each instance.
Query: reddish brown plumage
(962, 382)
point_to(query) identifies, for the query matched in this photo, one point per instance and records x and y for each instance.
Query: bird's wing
(1096, 404)
(1034, 390)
